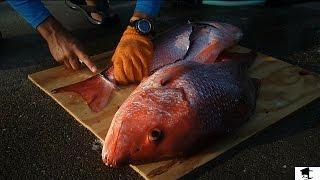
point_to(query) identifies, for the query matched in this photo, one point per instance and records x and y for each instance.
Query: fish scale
(210, 91)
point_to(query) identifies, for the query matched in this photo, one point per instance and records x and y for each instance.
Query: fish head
(151, 125)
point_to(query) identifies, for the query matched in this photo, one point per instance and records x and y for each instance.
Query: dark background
(38, 139)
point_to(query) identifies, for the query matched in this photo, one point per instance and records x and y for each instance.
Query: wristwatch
(143, 26)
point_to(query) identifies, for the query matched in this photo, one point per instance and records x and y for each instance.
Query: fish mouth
(115, 160)
(115, 156)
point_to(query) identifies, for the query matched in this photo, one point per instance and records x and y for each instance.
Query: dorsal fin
(175, 72)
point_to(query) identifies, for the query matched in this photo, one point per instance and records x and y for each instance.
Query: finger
(60, 61)
(145, 69)
(145, 65)
(119, 72)
(67, 64)
(144, 44)
(149, 52)
(75, 64)
(137, 68)
(83, 57)
(128, 68)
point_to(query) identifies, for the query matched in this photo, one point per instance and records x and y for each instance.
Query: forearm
(63, 47)
(33, 11)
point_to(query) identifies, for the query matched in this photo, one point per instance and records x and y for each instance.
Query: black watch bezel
(135, 24)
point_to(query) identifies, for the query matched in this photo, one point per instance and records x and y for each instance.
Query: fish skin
(194, 40)
(170, 47)
(204, 102)
(209, 39)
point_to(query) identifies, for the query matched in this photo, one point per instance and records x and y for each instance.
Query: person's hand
(63, 47)
(132, 57)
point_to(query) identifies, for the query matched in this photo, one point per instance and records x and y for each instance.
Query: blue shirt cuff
(149, 7)
(33, 11)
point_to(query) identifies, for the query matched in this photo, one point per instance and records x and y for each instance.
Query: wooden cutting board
(285, 89)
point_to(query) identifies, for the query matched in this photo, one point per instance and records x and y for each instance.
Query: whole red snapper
(181, 108)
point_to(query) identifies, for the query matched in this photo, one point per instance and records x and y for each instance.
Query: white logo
(306, 173)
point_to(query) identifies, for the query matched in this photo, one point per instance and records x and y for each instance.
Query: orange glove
(132, 57)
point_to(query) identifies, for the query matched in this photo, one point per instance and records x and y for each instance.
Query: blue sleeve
(33, 11)
(149, 7)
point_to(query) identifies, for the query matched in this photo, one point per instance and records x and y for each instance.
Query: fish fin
(109, 74)
(245, 58)
(175, 72)
(96, 91)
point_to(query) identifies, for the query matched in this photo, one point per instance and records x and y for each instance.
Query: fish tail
(96, 91)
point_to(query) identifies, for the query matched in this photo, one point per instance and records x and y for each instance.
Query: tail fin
(96, 91)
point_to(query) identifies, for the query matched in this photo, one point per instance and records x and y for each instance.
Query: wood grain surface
(285, 88)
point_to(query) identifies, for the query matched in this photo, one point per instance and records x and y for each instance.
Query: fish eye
(155, 135)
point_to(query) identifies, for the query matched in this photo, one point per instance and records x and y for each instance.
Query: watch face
(144, 26)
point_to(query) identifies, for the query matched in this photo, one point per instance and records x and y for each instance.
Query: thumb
(84, 58)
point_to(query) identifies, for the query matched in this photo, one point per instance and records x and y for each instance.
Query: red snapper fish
(202, 41)
(181, 108)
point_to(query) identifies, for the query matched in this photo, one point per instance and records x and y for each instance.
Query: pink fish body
(179, 109)
(195, 40)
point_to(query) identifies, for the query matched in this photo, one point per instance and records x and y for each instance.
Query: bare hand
(63, 47)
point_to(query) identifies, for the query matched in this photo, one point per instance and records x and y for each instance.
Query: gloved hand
(132, 57)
